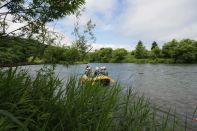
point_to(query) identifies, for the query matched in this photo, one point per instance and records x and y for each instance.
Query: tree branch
(5, 4)
(20, 28)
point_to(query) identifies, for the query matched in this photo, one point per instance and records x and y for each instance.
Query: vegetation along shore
(19, 51)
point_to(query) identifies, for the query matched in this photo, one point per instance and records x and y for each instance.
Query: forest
(15, 50)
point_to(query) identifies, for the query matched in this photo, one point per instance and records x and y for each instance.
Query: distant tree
(140, 51)
(71, 55)
(105, 54)
(169, 50)
(187, 51)
(155, 50)
(54, 54)
(119, 54)
(154, 45)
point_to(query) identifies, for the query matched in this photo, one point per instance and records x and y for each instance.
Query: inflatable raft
(104, 80)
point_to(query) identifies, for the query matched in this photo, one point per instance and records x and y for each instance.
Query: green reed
(44, 102)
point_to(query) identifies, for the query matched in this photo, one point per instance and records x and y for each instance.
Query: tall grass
(44, 103)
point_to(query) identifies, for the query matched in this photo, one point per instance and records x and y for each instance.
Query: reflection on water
(168, 86)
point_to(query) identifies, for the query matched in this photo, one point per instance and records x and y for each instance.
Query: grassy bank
(44, 102)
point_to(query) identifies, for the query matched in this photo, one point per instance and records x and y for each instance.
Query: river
(167, 85)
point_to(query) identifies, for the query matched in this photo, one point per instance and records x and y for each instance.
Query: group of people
(99, 71)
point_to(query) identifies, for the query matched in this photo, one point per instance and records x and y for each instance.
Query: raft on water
(104, 80)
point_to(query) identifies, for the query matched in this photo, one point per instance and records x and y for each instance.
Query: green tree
(71, 55)
(140, 51)
(155, 50)
(119, 54)
(187, 51)
(35, 13)
(154, 45)
(17, 50)
(169, 50)
(54, 54)
(105, 54)
(84, 36)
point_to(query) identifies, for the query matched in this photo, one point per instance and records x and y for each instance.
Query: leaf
(13, 119)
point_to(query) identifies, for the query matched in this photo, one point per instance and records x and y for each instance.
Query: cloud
(101, 12)
(159, 20)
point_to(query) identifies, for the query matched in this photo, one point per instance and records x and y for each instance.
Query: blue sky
(122, 23)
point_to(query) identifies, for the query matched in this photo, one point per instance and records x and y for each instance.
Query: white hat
(104, 67)
(97, 68)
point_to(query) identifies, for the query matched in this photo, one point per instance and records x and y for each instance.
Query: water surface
(168, 86)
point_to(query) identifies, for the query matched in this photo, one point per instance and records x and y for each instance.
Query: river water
(167, 86)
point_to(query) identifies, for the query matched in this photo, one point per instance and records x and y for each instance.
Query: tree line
(184, 51)
(18, 50)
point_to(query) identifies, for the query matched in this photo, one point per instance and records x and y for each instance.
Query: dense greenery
(46, 103)
(15, 50)
(184, 51)
(27, 43)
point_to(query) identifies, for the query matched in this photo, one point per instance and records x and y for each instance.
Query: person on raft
(104, 71)
(88, 71)
(96, 72)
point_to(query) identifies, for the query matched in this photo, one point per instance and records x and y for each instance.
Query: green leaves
(140, 51)
(12, 118)
(36, 12)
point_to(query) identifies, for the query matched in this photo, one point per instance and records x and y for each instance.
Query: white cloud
(99, 11)
(159, 20)
(62, 39)
(102, 7)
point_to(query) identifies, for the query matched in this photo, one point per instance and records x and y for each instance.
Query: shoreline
(77, 63)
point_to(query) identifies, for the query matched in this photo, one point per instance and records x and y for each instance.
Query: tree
(140, 51)
(83, 36)
(119, 54)
(187, 51)
(105, 54)
(154, 45)
(155, 50)
(33, 14)
(54, 54)
(71, 55)
(169, 50)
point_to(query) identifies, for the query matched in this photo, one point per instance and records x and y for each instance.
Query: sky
(122, 23)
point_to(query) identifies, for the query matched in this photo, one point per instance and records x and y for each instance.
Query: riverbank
(45, 103)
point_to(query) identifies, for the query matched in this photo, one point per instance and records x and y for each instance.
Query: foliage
(17, 50)
(84, 36)
(140, 51)
(46, 103)
(34, 13)
(184, 51)
(154, 45)
(119, 54)
(187, 51)
(54, 54)
(14, 50)
(103, 55)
